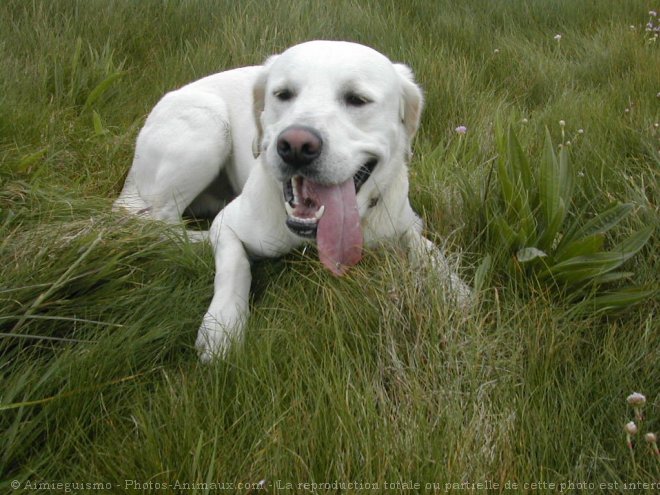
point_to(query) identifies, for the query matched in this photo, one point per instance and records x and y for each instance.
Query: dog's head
(335, 121)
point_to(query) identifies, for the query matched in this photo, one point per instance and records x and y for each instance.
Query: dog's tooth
(319, 212)
(288, 208)
(306, 221)
(288, 192)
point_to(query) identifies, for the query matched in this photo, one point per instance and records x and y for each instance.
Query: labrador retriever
(316, 141)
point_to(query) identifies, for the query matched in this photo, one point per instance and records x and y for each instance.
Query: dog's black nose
(299, 146)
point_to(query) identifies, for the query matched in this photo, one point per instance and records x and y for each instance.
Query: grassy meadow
(372, 378)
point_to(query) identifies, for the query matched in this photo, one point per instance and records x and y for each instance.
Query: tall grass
(370, 378)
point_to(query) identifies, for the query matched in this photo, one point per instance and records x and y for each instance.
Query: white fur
(227, 119)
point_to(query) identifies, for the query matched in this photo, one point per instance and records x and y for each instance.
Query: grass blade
(101, 88)
(16, 405)
(482, 272)
(99, 130)
(75, 61)
(58, 283)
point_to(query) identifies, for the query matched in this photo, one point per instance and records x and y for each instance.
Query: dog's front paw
(460, 293)
(213, 341)
(456, 291)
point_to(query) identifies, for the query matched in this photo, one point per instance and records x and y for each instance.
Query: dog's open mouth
(303, 213)
(330, 214)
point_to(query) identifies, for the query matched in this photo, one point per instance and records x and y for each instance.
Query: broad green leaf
(586, 245)
(597, 260)
(505, 182)
(566, 179)
(99, 130)
(612, 277)
(583, 275)
(514, 177)
(549, 186)
(601, 223)
(26, 162)
(581, 268)
(527, 220)
(600, 263)
(634, 243)
(101, 88)
(613, 301)
(517, 200)
(519, 163)
(507, 235)
(621, 298)
(547, 237)
(500, 137)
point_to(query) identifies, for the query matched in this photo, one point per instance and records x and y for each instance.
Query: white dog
(317, 142)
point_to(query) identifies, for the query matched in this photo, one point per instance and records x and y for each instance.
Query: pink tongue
(338, 236)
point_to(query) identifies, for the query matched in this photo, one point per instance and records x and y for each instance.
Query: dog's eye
(283, 94)
(356, 100)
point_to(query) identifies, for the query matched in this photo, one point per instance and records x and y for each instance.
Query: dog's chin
(303, 213)
(302, 229)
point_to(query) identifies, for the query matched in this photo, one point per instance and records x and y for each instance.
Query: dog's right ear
(258, 103)
(412, 100)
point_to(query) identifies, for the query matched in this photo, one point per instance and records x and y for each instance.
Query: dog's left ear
(412, 100)
(258, 103)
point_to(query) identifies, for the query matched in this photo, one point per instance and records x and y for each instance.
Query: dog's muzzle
(303, 209)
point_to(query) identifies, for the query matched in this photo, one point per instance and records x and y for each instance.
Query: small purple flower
(653, 13)
(461, 129)
(636, 399)
(631, 431)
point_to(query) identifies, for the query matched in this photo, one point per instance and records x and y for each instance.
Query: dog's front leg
(224, 321)
(423, 252)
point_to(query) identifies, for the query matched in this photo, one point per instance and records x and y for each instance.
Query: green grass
(370, 378)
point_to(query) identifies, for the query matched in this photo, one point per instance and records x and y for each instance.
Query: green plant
(529, 217)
